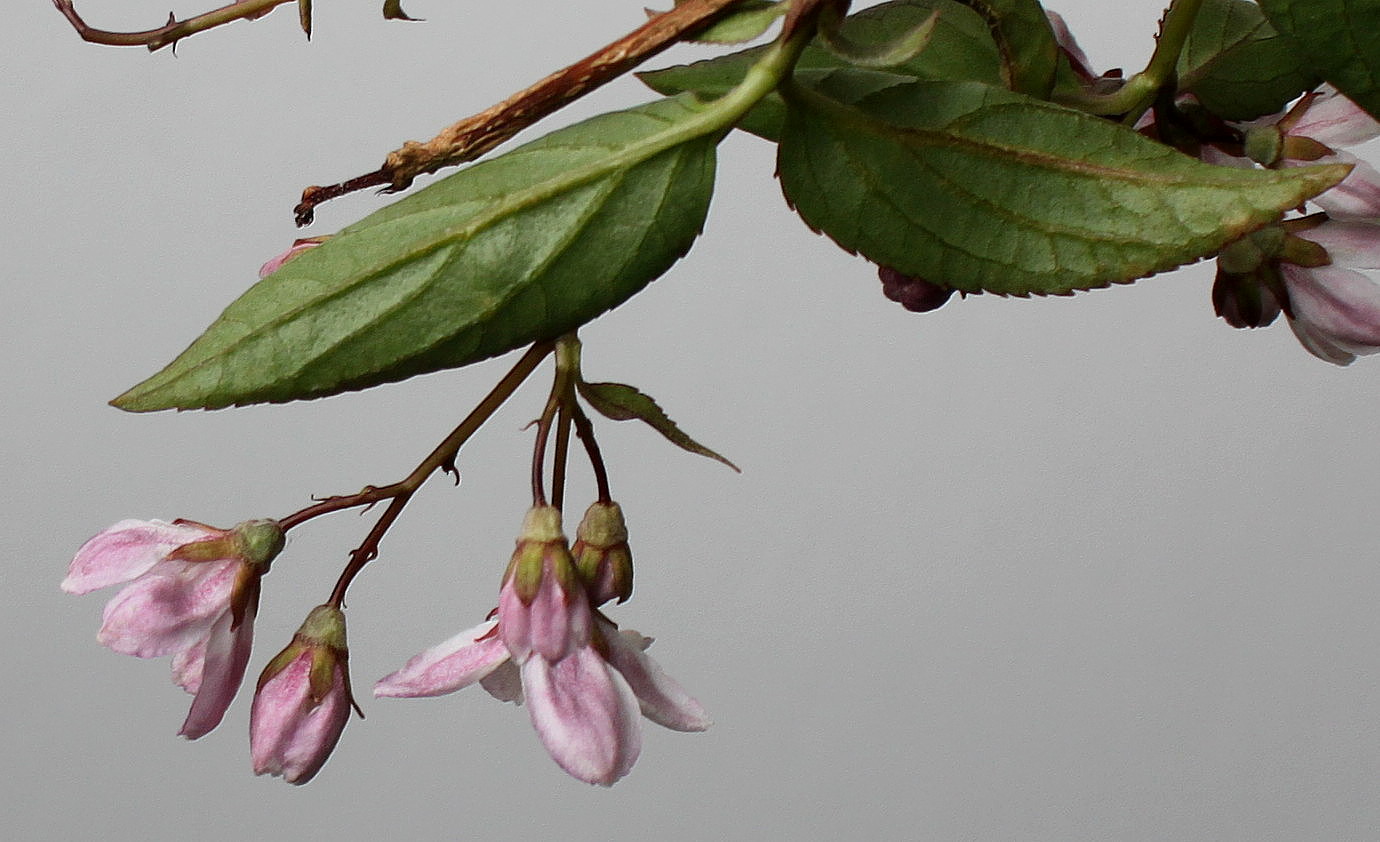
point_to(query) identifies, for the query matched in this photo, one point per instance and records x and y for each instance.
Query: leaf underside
(984, 190)
(518, 249)
(1237, 65)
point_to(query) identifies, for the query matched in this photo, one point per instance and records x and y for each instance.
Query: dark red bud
(913, 293)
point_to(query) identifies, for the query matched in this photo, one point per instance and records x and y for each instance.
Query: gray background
(1098, 568)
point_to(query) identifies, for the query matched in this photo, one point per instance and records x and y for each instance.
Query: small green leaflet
(1237, 66)
(961, 47)
(981, 189)
(748, 20)
(521, 248)
(624, 403)
(1339, 39)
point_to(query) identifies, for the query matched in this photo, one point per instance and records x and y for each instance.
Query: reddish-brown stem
(172, 31)
(473, 136)
(442, 457)
(584, 429)
(559, 460)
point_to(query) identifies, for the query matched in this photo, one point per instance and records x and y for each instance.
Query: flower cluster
(1306, 267)
(584, 680)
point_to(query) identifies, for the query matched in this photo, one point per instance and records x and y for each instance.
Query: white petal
(1349, 244)
(447, 666)
(585, 714)
(504, 683)
(1334, 120)
(1336, 306)
(662, 699)
(1357, 197)
(169, 608)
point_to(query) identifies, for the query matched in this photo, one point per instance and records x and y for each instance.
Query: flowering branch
(175, 30)
(473, 136)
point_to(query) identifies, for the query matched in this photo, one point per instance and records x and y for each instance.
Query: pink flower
(584, 681)
(193, 592)
(1335, 310)
(303, 700)
(298, 246)
(1312, 131)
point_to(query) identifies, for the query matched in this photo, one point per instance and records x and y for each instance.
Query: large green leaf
(521, 248)
(981, 189)
(1236, 64)
(1340, 40)
(961, 47)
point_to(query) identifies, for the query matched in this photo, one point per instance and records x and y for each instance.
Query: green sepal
(621, 402)
(982, 189)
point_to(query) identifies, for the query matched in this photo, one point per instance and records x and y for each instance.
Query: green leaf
(624, 403)
(1237, 66)
(1340, 41)
(981, 189)
(904, 48)
(961, 48)
(748, 20)
(1029, 51)
(518, 249)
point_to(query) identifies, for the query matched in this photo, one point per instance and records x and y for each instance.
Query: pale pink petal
(126, 551)
(585, 714)
(504, 683)
(448, 666)
(559, 623)
(169, 608)
(187, 666)
(288, 734)
(514, 622)
(276, 262)
(1352, 244)
(1319, 347)
(226, 654)
(1336, 305)
(1334, 120)
(662, 700)
(1358, 195)
(1077, 58)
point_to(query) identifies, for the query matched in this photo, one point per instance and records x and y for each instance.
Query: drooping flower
(303, 700)
(1334, 309)
(192, 593)
(584, 681)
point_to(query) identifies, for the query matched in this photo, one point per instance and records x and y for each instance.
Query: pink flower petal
(126, 551)
(585, 714)
(225, 656)
(289, 735)
(559, 623)
(276, 262)
(1064, 37)
(169, 608)
(662, 700)
(1334, 120)
(187, 666)
(1357, 197)
(1352, 244)
(1319, 347)
(448, 666)
(1337, 306)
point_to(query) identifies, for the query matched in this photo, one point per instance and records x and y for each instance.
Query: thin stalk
(172, 31)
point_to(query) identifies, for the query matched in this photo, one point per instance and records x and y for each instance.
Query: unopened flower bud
(1246, 299)
(913, 293)
(303, 700)
(601, 554)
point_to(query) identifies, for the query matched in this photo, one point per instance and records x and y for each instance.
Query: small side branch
(473, 136)
(172, 31)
